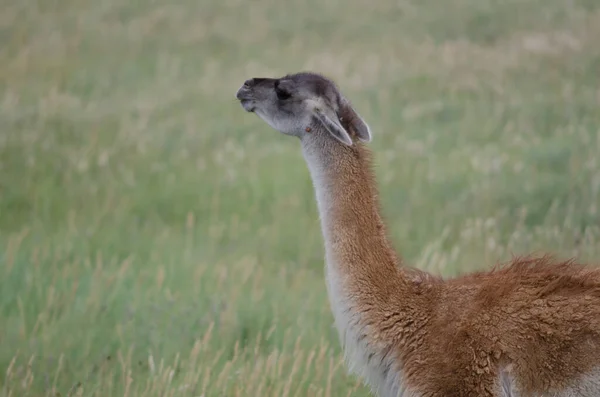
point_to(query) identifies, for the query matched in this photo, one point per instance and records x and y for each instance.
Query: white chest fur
(362, 358)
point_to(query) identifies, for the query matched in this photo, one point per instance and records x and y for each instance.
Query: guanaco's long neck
(355, 238)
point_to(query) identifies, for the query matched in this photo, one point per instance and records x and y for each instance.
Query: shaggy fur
(530, 327)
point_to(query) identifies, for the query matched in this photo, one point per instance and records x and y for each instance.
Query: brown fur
(536, 319)
(530, 327)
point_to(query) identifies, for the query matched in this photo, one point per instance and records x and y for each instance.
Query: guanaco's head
(302, 104)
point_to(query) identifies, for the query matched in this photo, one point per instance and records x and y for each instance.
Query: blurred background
(156, 240)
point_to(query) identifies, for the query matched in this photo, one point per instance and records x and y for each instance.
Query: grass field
(156, 240)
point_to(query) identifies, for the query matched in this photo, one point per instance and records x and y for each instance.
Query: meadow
(156, 240)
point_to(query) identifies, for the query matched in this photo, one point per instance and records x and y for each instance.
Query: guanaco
(530, 327)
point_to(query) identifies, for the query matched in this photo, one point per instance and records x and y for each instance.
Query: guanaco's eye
(281, 94)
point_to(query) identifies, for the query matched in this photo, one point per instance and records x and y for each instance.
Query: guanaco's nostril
(248, 82)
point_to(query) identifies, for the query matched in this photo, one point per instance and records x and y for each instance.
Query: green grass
(156, 240)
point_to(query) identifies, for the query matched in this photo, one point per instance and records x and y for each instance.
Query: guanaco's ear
(332, 125)
(355, 123)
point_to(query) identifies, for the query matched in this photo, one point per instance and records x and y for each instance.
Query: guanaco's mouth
(245, 97)
(247, 104)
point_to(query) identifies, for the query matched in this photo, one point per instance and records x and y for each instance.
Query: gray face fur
(301, 103)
